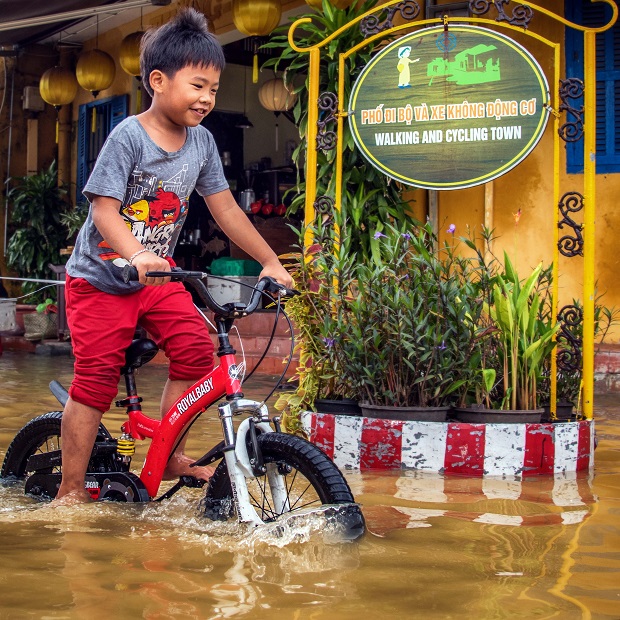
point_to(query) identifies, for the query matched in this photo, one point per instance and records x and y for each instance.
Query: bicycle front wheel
(311, 480)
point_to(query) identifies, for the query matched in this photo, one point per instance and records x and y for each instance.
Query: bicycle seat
(138, 353)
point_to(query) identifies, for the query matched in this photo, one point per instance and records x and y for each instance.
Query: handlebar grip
(130, 274)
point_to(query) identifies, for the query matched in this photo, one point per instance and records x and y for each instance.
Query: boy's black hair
(184, 40)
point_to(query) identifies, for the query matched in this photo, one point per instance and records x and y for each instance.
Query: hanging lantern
(95, 71)
(256, 18)
(58, 87)
(273, 95)
(129, 58)
(129, 55)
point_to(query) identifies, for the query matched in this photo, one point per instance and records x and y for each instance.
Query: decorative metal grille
(569, 341)
(324, 221)
(372, 24)
(521, 15)
(572, 88)
(571, 245)
(326, 139)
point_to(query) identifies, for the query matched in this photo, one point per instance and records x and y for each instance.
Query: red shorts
(102, 327)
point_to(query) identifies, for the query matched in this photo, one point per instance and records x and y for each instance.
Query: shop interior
(256, 147)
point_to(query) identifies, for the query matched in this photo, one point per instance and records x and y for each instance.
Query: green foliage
(369, 198)
(403, 329)
(37, 207)
(526, 340)
(315, 374)
(74, 219)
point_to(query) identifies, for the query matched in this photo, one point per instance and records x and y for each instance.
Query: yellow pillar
(589, 199)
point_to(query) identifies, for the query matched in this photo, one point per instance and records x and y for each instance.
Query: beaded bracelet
(136, 254)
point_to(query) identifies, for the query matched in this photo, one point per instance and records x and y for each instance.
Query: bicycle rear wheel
(42, 435)
(311, 481)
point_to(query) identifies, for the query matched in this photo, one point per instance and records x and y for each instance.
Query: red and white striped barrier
(453, 447)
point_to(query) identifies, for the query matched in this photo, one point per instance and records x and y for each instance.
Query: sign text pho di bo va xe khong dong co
(449, 109)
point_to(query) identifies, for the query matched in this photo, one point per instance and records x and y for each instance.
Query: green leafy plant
(526, 339)
(37, 207)
(369, 198)
(403, 330)
(316, 376)
(73, 220)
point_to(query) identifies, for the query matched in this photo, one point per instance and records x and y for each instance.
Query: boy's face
(189, 95)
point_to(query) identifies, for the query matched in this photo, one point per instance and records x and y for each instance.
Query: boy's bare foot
(179, 465)
(73, 498)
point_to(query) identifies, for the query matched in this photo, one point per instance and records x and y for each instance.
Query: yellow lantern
(273, 95)
(129, 55)
(58, 86)
(95, 71)
(256, 18)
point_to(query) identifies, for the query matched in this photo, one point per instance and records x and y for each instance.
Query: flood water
(436, 548)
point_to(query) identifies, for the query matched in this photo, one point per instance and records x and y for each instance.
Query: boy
(139, 191)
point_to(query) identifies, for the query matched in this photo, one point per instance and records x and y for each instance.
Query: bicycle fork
(240, 466)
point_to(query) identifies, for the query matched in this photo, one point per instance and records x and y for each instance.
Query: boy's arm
(116, 233)
(238, 228)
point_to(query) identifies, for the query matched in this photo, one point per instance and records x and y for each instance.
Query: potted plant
(403, 328)
(318, 384)
(37, 206)
(522, 339)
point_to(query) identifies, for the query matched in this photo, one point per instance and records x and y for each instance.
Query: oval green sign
(449, 109)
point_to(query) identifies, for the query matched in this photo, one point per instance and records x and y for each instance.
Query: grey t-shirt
(154, 188)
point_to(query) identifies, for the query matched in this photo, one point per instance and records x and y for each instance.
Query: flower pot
(479, 415)
(418, 414)
(564, 412)
(342, 406)
(7, 315)
(40, 325)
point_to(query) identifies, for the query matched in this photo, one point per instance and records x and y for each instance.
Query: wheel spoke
(299, 496)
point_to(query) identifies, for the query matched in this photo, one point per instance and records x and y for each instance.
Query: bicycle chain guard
(109, 486)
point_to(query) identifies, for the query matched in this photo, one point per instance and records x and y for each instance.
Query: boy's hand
(147, 261)
(278, 273)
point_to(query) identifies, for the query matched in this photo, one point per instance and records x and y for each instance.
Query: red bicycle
(263, 473)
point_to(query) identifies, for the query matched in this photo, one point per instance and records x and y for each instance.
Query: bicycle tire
(42, 434)
(319, 474)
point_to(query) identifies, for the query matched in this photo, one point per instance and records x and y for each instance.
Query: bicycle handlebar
(195, 279)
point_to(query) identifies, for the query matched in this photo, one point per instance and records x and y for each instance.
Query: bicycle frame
(164, 433)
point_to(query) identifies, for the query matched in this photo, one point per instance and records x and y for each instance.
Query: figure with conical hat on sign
(404, 75)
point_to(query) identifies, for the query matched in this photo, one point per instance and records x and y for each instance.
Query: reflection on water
(436, 548)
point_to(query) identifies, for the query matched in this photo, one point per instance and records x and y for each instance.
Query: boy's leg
(79, 431)
(102, 327)
(179, 463)
(174, 323)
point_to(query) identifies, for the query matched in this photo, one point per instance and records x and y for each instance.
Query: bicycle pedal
(192, 482)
